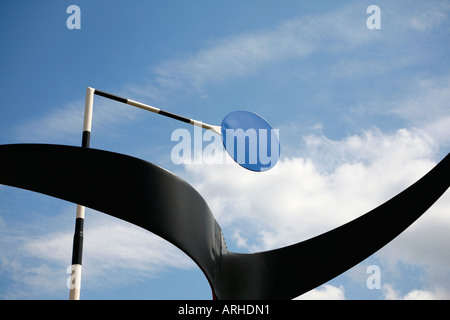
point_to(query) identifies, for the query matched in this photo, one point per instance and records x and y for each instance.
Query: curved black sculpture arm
(310, 263)
(152, 198)
(125, 187)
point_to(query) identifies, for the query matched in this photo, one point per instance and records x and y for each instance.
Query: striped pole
(77, 251)
(216, 129)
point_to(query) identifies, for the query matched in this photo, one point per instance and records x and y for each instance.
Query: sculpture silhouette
(148, 196)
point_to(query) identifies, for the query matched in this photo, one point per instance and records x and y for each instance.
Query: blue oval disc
(250, 140)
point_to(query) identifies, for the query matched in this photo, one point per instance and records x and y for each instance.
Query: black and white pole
(254, 155)
(141, 105)
(77, 251)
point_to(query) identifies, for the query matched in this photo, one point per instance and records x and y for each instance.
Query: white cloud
(335, 182)
(423, 245)
(301, 198)
(351, 176)
(332, 183)
(237, 56)
(118, 252)
(250, 52)
(115, 253)
(325, 292)
(428, 100)
(60, 123)
(66, 123)
(438, 293)
(247, 53)
(429, 16)
(344, 29)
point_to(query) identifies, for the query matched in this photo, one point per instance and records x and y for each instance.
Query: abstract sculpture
(148, 196)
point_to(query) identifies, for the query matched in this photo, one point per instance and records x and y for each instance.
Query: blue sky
(361, 113)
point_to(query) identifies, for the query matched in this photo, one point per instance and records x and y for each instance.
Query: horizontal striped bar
(141, 105)
(174, 116)
(110, 96)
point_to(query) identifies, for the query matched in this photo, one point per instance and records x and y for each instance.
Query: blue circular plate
(250, 140)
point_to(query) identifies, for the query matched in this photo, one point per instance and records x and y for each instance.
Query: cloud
(352, 176)
(115, 254)
(389, 293)
(66, 123)
(424, 246)
(63, 122)
(428, 100)
(249, 53)
(237, 56)
(246, 54)
(330, 183)
(119, 253)
(429, 16)
(297, 39)
(325, 292)
(334, 182)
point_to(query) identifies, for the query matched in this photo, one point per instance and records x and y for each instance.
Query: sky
(362, 113)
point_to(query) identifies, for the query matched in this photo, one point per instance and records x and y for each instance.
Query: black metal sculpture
(153, 198)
